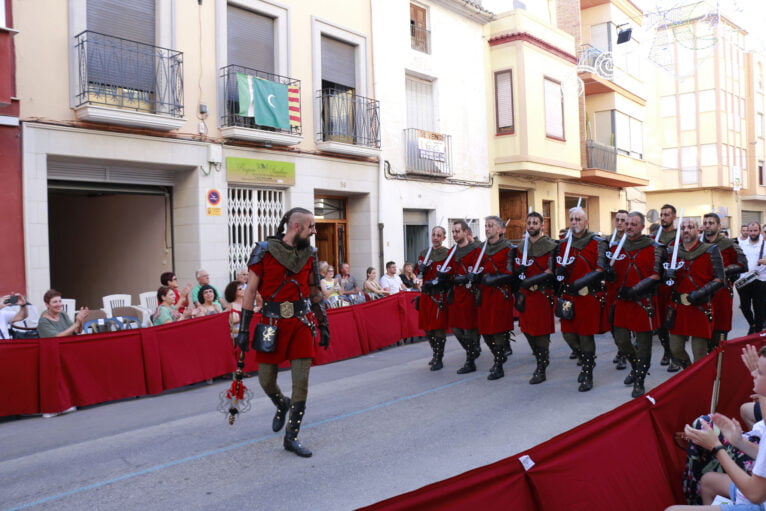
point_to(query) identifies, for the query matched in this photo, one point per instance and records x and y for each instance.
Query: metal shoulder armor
(259, 251)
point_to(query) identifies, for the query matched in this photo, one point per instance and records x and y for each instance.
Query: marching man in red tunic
(432, 305)
(496, 297)
(734, 263)
(581, 270)
(697, 275)
(536, 298)
(284, 270)
(462, 310)
(636, 269)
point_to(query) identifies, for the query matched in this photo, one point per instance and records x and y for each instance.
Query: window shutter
(554, 109)
(133, 20)
(250, 40)
(417, 16)
(420, 104)
(504, 101)
(338, 62)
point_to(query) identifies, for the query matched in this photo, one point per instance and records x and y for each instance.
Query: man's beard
(666, 226)
(711, 233)
(533, 234)
(754, 237)
(302, 243)
(578, 230)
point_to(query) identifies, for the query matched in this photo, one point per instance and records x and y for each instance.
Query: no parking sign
(213, 197)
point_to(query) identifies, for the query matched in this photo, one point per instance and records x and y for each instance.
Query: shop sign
(262, 172)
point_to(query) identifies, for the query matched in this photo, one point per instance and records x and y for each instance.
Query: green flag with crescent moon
(264, 100)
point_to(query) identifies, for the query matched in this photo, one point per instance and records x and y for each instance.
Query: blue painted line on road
(234, 446)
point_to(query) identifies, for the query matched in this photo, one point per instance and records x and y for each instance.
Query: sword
(476, 268)
(674, 259)
(568, 237)
(614, 236)
(425, 260)
(524, 254)
(619, 248)
(444, 268)
(657, 236)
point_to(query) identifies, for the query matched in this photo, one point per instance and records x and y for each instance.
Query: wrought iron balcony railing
(601, 156)
(428, 153)
(420, 38)
(231, 102)
(126, 74)
(348, 118)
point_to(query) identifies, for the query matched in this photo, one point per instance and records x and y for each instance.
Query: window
(504, 101)
(688, 111)
(250, 40)
(554, 109)
(707, 100)
(617, 129)
(604, 122)
(761, 177)
(420, 36)
(668, 106)
(670, 158)
(338, 69)
(420, 104)
(2, 13)
(708, 154)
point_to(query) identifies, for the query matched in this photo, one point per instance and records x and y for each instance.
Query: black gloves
(497, 279)
(704, 293)
(640, 290)
(243, 337)
(609, 274)
(586, 280)
(538, 280)
(324, 336)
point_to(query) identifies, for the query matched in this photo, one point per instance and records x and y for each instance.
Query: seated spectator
(349, 290)
(9, 316)
(392, 282)
(182, 297)
(234, 293)
(409, 279)
(371, 286)
(203, 279)
(54, 322)
(166, 310)
(208, 301)
(242, 276)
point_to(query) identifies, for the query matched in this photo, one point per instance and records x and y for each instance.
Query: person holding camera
(55, 322)
(8, 317)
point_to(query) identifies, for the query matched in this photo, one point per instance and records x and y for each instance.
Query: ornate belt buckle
(583, 291)
(534, 288)
(286, 310)
(684, 298)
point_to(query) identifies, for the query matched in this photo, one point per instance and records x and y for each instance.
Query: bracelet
(714, 450)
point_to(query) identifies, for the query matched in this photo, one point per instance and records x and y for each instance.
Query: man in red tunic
(636, 274)
(495, 294)
(432, 303)
(462, 309)
(620, 219)
(667, 236)
(734, 263)
(581, 275)
(536, 298)
(696, 278)
(284, 270)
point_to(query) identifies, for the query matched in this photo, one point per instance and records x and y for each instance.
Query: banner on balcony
(431, 146)
(264, 100)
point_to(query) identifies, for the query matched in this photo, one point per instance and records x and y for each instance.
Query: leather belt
(681, 298)
(286, 310)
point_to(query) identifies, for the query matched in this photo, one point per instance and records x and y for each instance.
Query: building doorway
(332, 230)
(416, 235)
(513, 208)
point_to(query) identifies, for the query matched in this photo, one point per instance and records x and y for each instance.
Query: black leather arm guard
(540, 279)
(640, 290)
(467, 278)
(320, 312)
(704, 293)
(243, 337)
(589, 279)
(733, 271)
(497, 279)
(440, 284)
(609, 274)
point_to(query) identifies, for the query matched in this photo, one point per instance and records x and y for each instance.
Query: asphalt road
(379, 425)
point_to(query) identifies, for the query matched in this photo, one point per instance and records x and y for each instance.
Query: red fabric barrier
(345, 341)
(408, 315)
(378, 322)
(20, 377)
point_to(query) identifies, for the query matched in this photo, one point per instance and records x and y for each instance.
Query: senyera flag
(264, 100)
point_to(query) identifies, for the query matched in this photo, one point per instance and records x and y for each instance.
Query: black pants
(753, 303)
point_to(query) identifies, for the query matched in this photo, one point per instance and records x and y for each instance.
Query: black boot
(472, 351)
(587, 372)
(575, 354)
(631, 377)
(293, 427)
(543, 359)
(621, 362)
(431, 341)
(283, 405)
(496, 371)
(674, 366)
(438, 347)
(665, 342)
(642, 366)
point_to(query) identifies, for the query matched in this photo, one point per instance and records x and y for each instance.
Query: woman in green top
(55, 322)
(166, 310)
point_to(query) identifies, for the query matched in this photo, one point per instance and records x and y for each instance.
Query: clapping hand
(731, 428)
(705, 437)
(750, 357)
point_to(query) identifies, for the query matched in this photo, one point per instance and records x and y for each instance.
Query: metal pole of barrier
(716, 383)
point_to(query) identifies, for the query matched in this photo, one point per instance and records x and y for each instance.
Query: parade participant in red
(637, 269)
(285, 271)
(698, 274)
(536, 297)
(462, 309)
(495, 305)
(620, 218)
(667, 236)
(432, 303)
(734, 263)
(579, 306)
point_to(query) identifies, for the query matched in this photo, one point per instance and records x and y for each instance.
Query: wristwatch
(714, 450)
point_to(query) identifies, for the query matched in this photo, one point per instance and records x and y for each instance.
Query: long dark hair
(286, 218)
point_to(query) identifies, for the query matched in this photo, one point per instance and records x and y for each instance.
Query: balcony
(602, 167)
(420, 38)
(282, 128)
(428, 153)
(599, 75)
(347, 123)
(128, 83)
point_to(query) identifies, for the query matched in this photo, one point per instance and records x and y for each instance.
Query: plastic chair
(101, 325)
(127, 322)
(134, 312)
(112, 301)
(70, 307)
(148, 300)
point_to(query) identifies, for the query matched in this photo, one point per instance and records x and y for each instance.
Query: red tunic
(432, 308)
(294, 338)
(631, 267)
(496, 308)
(697, 270)
(588, 308)
(537, 318)
(462, 310)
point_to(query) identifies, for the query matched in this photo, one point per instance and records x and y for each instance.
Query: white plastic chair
(112, 301)
(70, 307)
(148, 300)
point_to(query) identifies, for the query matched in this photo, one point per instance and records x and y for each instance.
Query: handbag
(23, 333)
(564, 309)
(265, 338)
